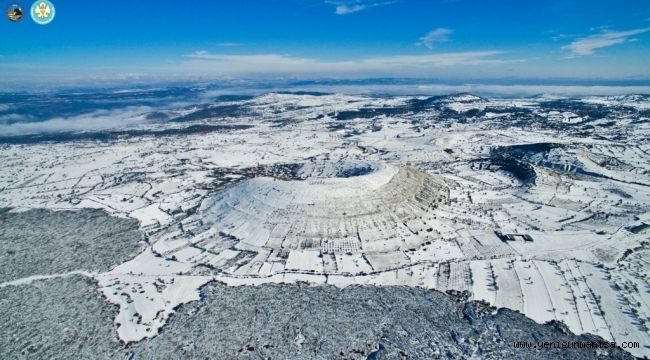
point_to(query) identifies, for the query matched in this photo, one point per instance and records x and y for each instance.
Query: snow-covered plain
(545, 216)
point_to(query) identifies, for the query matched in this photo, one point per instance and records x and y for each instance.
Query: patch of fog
(97, 120)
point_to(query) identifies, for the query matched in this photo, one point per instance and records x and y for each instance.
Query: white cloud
(350, 7)
(434, 36)
(12, 118)
(265, 62)
(98, 120)
(227, 64)
(587, 45)
(441, 59)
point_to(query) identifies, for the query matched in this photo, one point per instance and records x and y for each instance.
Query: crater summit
(346, 207)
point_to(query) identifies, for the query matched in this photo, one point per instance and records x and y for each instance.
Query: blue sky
(446, 39)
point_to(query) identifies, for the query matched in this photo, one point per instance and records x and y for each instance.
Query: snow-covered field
(531, 204)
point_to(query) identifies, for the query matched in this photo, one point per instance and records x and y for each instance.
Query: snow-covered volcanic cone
(348, 206)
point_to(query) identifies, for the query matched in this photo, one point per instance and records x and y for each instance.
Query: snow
(483, 281)
(538, 304)
(304, 260)
(146, 302)
(424, 214)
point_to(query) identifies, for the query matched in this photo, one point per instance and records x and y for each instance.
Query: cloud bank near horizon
(234, 64)
(97, 120)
